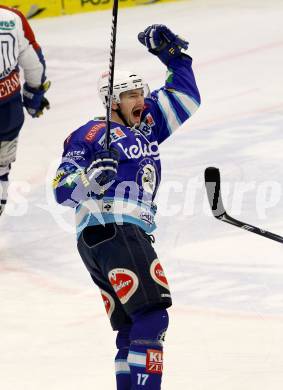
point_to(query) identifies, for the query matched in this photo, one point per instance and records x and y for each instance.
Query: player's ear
(114, 106)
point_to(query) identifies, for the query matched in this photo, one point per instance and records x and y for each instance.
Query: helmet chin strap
(121, 116)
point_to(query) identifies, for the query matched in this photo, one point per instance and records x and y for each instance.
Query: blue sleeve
(175, 102)
(79, 150)
(76, 157)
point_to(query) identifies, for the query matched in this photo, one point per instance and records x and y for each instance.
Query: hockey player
(113, 192)
(18, 49)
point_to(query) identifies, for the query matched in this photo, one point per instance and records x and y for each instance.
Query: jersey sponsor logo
(147, 217)
(116, 135)
(139, 150)
(157, 274)
(145, 129)
(147, 124)
(108, 206)
(9, 85)
(76, 155)
(124, 283)
(57, 179)
(7, 25)
(92, 133)
(149, 120)
(154, 361)
(108, 301)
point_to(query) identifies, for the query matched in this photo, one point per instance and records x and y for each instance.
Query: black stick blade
(213, 189)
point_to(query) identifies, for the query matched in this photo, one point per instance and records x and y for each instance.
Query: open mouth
(137, 113)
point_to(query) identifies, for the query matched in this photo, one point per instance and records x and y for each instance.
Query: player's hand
(104, 166)
(34, 100)
(162, 42)
(98, 177)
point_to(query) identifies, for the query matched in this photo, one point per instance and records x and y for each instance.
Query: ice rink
(227, 284)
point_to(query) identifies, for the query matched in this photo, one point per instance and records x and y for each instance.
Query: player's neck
(117, 118)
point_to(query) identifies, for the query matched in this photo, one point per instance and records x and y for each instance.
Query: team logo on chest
(147, 176)
(124, 283)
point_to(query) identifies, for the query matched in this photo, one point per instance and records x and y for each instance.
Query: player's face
(132, 105)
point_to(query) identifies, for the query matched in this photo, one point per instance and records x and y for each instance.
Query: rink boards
(46, 8)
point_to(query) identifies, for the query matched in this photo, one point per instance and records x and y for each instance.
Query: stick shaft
(253, 229)
(111, 73)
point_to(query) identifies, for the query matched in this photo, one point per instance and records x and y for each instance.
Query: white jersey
(18, 47)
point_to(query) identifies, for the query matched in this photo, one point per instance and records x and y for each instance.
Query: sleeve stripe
(169, 113)
(30, 56)
(122, 367)
(29, 34)
(137, 359)
(188, 104)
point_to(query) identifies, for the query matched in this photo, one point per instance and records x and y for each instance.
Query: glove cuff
(168, 52)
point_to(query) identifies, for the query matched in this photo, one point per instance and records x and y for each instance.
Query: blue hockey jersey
(130, 198)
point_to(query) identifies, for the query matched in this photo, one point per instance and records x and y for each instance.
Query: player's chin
(135, 120)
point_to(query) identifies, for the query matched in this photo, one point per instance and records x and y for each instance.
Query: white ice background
(227, 284)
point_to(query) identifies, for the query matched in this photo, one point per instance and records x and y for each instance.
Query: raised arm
(179, 98)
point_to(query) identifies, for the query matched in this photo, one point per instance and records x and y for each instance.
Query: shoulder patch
(92, 133)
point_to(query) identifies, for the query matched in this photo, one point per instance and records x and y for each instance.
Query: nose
(140, 100)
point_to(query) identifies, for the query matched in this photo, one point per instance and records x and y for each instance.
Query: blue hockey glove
(161, 42)
(34, 100)
(104, 166)
(97, 178)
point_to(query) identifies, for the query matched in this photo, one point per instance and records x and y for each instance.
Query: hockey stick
(111, 73)
(213, 188)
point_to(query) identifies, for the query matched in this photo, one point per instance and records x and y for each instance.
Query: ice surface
(226, 325)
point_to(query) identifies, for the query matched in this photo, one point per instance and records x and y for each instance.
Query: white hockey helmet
(123, 81)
